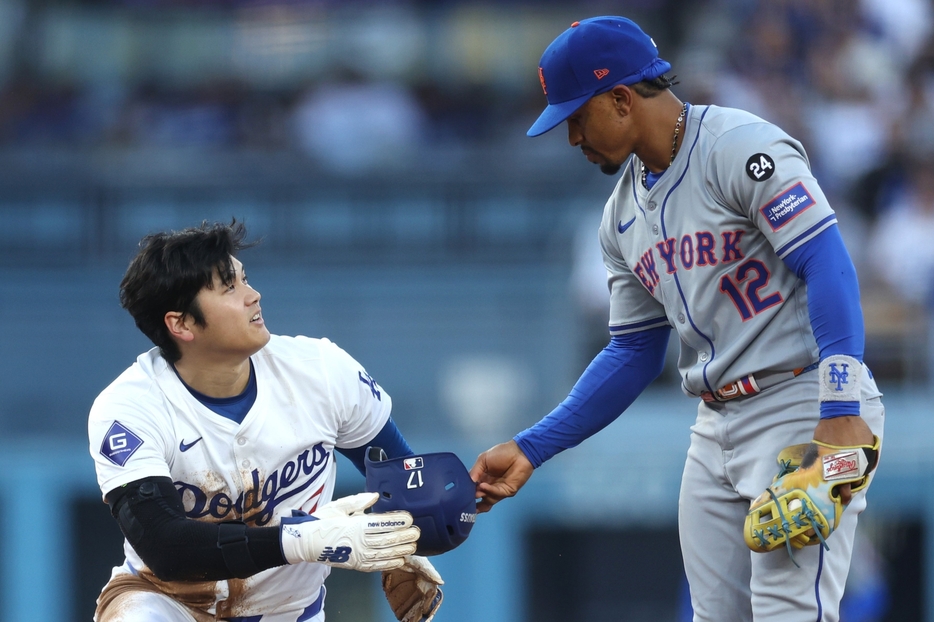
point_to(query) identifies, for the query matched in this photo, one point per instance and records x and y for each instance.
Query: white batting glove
(413, 591)
(341, 535)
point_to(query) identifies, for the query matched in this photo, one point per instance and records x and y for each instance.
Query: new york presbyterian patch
(788, 204)
(119, 444)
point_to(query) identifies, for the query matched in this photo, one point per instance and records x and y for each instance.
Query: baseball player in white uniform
(718, 230)
(215, 452)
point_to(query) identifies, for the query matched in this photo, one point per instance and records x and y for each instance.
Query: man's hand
(500, 472)
(844, 432)
(803, 505)
(413, 591)
(341, 535)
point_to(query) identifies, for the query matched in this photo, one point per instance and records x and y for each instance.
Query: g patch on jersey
(120, 443)
(788, 204)
(760, 167)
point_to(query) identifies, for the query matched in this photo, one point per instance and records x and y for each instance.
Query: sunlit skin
(608, 129)
(613, 125)
(216, 356)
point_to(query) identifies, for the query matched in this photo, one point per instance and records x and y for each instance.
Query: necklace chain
(674, 144)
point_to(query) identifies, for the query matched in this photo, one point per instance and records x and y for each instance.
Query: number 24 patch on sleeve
(786, 205)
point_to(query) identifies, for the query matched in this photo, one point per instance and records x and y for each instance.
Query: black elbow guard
(143, 505)
(146, 511)
(152, 518)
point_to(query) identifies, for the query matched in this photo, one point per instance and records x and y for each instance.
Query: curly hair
(652, 88)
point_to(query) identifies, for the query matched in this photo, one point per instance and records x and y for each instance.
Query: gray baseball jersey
(701, 251)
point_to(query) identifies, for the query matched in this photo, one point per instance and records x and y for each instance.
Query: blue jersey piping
(632, 175)
(829, 220)
(642, 324)
(687, 312)
(820, 569)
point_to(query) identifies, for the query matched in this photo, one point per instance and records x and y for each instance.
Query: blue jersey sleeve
(612, 381)
(389, 438)
(833, 302)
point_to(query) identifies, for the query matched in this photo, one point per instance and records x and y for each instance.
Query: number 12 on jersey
(748, 302)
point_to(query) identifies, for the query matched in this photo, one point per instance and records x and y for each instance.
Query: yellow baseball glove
(802, 506)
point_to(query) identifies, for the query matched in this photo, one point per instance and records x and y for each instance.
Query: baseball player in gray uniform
(718, 230)
(216, 454)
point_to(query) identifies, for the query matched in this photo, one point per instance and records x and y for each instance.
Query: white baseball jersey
(311, 397)
(701, 251)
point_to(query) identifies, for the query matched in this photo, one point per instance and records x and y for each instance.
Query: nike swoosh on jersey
(622, 228)
(183, 446)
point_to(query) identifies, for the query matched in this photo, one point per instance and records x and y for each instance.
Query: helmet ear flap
(435, 489)
(376, 454)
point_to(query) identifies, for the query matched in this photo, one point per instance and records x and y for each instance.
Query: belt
(752, 384)
(310, 611)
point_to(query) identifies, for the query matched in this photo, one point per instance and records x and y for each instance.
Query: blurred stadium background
(379, 150)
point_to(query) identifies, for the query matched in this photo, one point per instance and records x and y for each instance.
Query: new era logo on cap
(412, 463)
(601, 73)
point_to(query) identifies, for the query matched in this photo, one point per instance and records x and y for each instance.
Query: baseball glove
(413, 591)
(802, 506)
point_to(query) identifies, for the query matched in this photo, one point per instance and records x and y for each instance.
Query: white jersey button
(651, 205)
(703, 356)
(655, 229)
(245, 464)
(681, 318)
(241, 441)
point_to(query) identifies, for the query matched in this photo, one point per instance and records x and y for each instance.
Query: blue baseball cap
(589, 58)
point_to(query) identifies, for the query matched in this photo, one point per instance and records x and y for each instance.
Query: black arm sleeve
(176, 548)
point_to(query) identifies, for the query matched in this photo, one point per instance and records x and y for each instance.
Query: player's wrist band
(839, 377)
(831, 410)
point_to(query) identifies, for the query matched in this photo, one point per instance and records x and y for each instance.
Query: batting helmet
(435, 488)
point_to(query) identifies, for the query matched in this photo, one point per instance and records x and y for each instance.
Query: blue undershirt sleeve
(833, 302)
(612, 381)
(389, 438)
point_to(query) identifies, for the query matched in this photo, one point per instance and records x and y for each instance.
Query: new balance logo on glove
(336, 556)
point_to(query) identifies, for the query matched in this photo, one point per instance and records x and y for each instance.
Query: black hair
(169, 271)
(654, 87)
